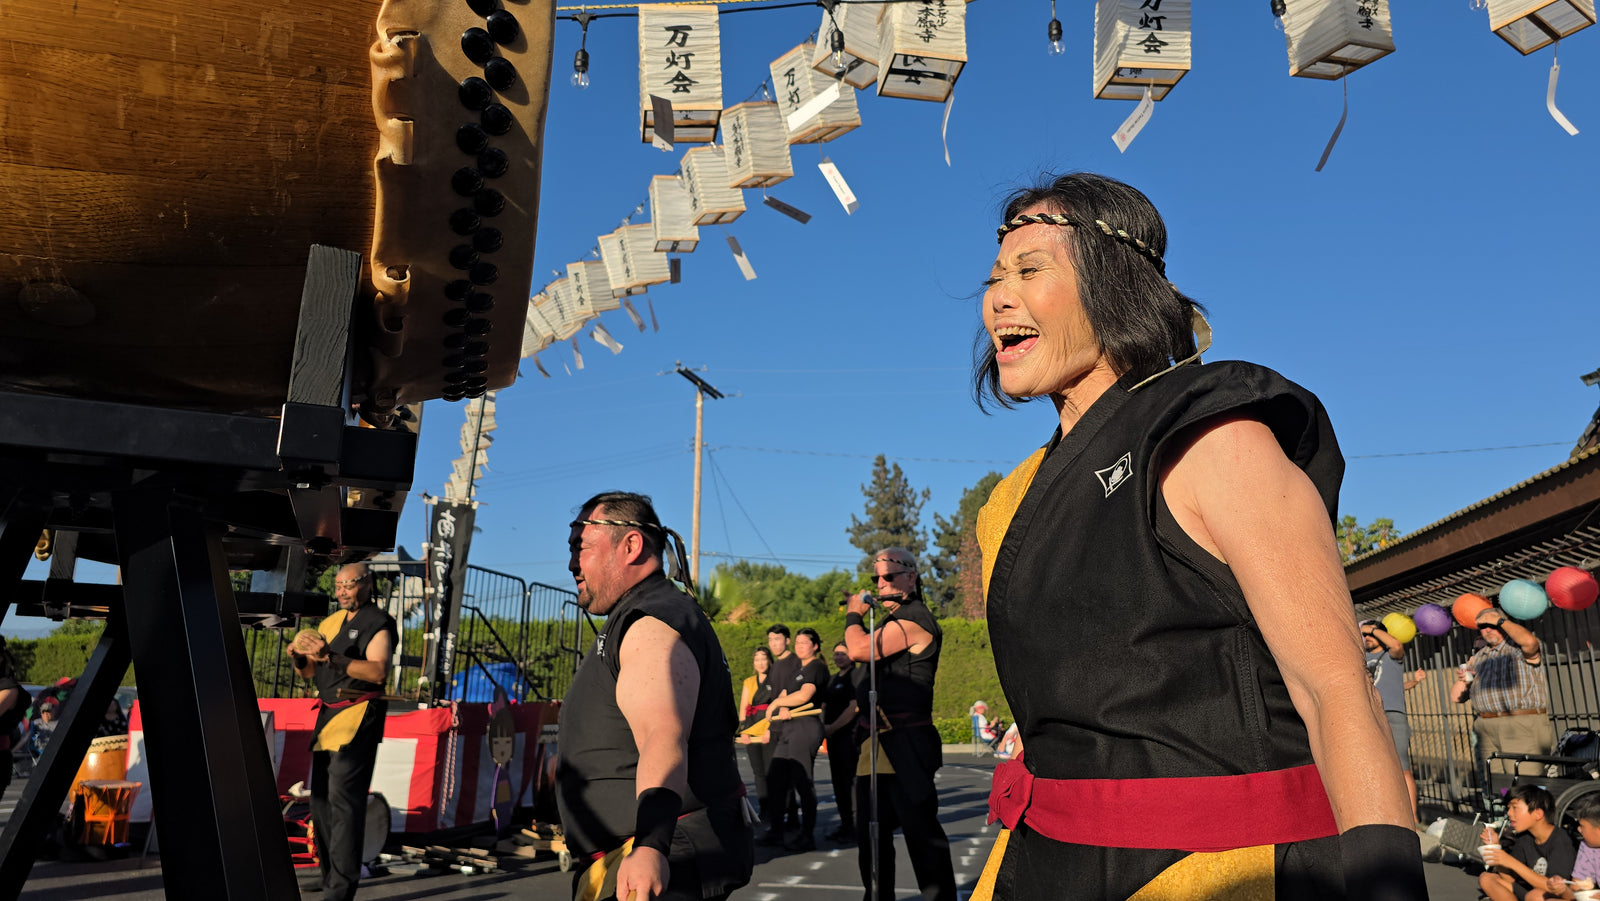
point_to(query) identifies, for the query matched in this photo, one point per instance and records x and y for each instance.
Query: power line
(806, 453)
(717, 471)
(1463, 450)
(831, 371)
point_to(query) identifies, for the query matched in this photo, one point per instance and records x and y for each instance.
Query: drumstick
(352, 694)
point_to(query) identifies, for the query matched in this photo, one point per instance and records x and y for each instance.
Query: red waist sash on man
(1197, 814)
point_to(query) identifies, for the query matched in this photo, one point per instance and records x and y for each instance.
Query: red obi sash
(1197, 814)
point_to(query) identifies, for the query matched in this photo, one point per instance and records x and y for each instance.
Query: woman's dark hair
(816, 640)
(1586, 807)
(762, 649)
(1141, 321)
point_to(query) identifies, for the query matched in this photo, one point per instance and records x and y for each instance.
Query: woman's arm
(1236, 494)
(745, 696)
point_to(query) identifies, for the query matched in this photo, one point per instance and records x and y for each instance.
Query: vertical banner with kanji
(449, 537)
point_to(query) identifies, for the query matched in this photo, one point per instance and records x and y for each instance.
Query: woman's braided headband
(1116, 234)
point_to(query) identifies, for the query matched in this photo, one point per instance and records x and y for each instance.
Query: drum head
(376, 833)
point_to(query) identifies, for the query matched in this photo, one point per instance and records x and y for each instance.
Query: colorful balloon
(1523, 600)
(1467, 607)
(1571, 588)
(1401, 627)
(1431, 619)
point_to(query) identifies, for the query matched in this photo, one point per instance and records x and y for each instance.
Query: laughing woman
(1219, 738)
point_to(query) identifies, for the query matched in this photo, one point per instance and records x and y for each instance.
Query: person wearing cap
(1505, 683)
(647, 784)
(1385, 654)
(990, 732)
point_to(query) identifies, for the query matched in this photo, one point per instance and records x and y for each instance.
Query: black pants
(340, 781)
(760, 760)
(786, 775)
(842, 754)
(926, 842)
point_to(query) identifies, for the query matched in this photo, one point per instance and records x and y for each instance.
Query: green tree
(1355, 539)
(944, 589)
(893, 514)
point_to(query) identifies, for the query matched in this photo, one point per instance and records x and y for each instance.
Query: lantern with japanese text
(591, 288)
(705, 176)
(856, 63)
(680, 60)
(755, 145)
(1329, 39)
(922, 47)
(561, 309)
(1531, 24)
(631, 260)
(815, 108)
(537, 332)
(1138, 47)
(671, 216)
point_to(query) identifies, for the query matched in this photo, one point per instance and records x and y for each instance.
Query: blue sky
(1430, 284)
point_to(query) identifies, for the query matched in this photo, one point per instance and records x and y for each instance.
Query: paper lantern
(1329, 39)
(922, 47)
(558, 308)
(799, 88)
(1531, 24)
(1136, 47)
(1431, 619)
(537, 332)
(755, 145)
(1401, 627)
(1467, 607)
(705, 177)
(670, 216)
(857, 63)
(1571, 588)
(680, 59)
(591, 288)
(632, 263)
(1522, 599)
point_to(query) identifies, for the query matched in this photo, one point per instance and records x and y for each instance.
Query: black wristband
(339, 663)
(1383, 863)
(855, 619)
(656, 818)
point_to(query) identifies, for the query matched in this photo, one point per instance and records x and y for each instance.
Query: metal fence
(1443, 758)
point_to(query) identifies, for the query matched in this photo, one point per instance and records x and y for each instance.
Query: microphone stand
(872, 719)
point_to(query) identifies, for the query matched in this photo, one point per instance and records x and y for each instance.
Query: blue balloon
(1523, 599)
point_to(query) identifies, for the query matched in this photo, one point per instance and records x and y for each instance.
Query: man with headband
(647, 784)
(907, 640)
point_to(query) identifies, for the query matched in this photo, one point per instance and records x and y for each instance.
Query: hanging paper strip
(857, 64)
(705, 177)
(815, 108)
(604, 337)
(755, 145)
(631, 260)
(592, 288)
(671, 216)
(680, 60)
(1529, 25)
(1329, 39)
(922, 47)
(638, 321)
(1137, 47)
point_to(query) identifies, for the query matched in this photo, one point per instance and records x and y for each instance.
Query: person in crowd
(1385, 659)
(114, 723)
(14, 701)
(905, 750)
(839, 711)
(1505, 683)
(647, 785)
(1522, 864)
(1180, 520)
(1010, 744)
(784, 665)
(1586, 870)
(794, 753)
(43, 726)
(988, 731)
(757, 693)
(348, 657)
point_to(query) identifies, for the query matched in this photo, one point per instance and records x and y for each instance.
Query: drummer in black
(907, 642)
(839, 711)
(350, 665)
(647, 785)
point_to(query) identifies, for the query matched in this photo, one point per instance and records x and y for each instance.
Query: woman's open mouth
(1013, 341)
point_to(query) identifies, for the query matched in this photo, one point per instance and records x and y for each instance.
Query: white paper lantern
(1531, 24)
(591, 287)
(671, 216)
(798, 85)
(562, 309)
(755, 145)
(537, 332)
(631, 260)
(857, 64)
(1136, 47)
(680, 59)
(1329, 39)
(922, 47)
(705, 177)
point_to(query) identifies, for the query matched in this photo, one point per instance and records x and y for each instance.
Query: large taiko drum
(107, 760)
(167, 165)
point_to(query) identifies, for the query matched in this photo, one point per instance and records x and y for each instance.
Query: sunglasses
(1482, 626)
(890, 577)
(347, 584)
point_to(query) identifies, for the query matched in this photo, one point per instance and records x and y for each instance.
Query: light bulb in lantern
(836, 43)
(580, 69)
(1056, 46)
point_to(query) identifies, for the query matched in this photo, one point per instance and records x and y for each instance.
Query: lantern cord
(1334, 139)
(767, 4)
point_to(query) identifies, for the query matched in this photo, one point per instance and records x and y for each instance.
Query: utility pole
(702, 390)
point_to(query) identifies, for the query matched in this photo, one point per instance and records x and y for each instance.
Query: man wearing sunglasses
(1506, 686)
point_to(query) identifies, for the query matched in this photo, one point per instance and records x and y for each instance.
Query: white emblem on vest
(600, 644)
(1114, 475)
(354, 634)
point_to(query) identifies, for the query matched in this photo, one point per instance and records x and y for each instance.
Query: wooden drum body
(166, 166)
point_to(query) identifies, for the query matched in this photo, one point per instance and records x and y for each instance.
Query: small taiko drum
(106, 804)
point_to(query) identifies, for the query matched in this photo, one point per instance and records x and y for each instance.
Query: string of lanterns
(1569, 588)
